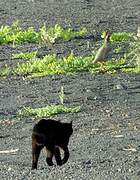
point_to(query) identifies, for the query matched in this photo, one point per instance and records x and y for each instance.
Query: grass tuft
(25, 56)
(5, 71)
(47, 111)
(121, 37)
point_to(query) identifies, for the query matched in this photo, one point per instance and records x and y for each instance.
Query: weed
(121, 36)
(5, 71)
(135, 53)
(61, 95)
(47, 111)
(135, 69)
(58, 32)
(26, 55)
(110, 66)
(51, 65)
(16, 35)
(134, 58)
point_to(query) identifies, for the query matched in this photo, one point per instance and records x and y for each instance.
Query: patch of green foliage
(134, 57)
(26, 55)
(5, 71)
(131, 58)
(47, 111)
(51, 65)
(110, 66)
(121, 36)
(58, 32)
(16, 35)
(135, 52)
(135, 70)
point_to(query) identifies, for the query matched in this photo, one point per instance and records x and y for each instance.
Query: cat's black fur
(52, 135)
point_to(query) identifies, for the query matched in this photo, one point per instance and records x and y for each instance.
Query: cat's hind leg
(57, 156)
(66, 155)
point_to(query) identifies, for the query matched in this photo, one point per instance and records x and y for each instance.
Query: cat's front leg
(49, 157)
(35, 153)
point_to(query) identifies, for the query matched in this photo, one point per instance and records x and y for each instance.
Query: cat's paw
(49, 162)
(59, 163)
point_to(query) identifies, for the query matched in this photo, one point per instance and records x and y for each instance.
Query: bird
(102, 52)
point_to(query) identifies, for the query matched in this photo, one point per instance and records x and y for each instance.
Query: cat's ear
(71, 122)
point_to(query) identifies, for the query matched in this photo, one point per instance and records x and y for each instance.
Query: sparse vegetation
(16, 35)
(51, 64)
(50, 109)
(57, 32)
(26, 55)
(134, 57)
(110, 66)
(5, 71)
(121, 37)
(47, 111)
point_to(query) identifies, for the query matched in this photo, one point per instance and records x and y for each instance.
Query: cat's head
(68, 128)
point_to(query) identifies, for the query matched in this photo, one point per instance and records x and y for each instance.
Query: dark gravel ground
(106, 140)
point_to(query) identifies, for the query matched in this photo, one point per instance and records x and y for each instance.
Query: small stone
(9, 169)
(88, 162)
(95, 97)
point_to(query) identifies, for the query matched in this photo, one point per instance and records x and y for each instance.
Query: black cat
(52, 135)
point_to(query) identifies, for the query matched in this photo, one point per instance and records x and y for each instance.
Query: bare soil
(106, 141)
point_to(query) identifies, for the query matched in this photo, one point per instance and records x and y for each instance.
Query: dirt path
(106, 140)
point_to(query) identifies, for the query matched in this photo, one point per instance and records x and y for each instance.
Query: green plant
(134, 69)
(26, 55)
(121, 36)
(61, 95)
(5, 71)
(135, 53)
(47, 111)
(16, 35)
(52, 33)
(110, 66)
(57, 32)
(50, 65)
